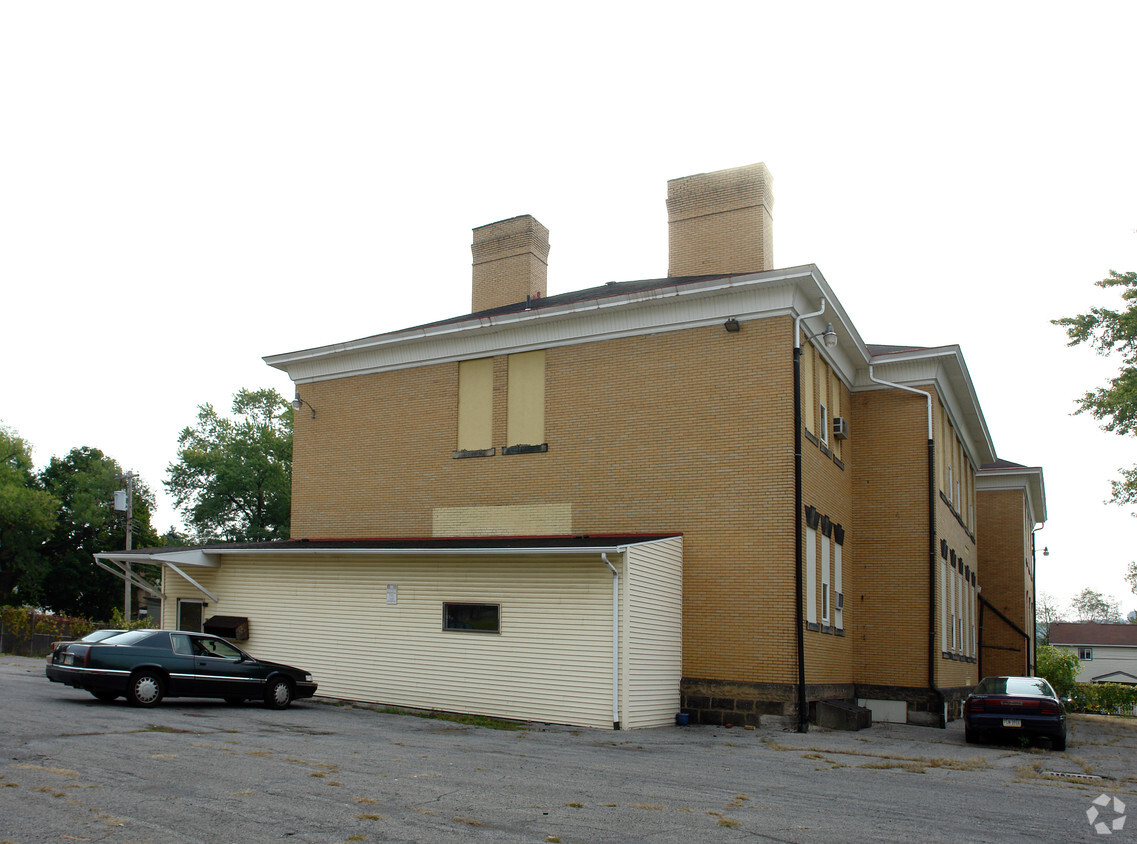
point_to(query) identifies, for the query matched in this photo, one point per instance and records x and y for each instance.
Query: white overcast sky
(187, 187)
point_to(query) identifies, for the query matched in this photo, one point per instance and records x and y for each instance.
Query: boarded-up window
(475, 404)
(525, 424)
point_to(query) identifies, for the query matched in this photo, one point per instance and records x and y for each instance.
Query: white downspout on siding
(615, 642)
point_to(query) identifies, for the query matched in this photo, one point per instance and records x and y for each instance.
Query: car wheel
(234, 701)
(970, 736)
(104, 695)
(278, 693)
(1058, 742)
(145, 689)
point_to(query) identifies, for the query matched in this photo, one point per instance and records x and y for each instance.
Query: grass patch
(649, 806)
(365, 801)
(729, 822)
(456, 718)
(468, 821)
(162, 728)
(575, 805)
(364, 816)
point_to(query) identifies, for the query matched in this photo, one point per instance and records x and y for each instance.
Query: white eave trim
(671, 307)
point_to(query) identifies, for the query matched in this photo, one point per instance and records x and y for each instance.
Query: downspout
(931, 545)
(1032, 659)
(799, 562)
(615, 642)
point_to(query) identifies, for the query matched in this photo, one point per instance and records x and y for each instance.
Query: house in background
(702, 492)
(1108, 652)
(1011, 502)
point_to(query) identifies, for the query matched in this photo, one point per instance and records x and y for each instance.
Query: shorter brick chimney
(720, 222)
(511, 262)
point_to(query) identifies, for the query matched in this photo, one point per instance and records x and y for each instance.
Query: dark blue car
(1015, 706)
(148, 665)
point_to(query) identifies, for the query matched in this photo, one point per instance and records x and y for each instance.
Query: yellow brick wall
(687, 431)
(1004, 555)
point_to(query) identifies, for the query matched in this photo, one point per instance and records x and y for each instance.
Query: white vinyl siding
(653, 630)
(551, 661)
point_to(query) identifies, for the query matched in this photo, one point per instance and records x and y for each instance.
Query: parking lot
(74, 769)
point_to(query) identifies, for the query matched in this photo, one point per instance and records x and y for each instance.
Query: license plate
(69, 659)
(1012, 722)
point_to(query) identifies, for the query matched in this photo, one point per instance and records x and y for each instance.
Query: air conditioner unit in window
(840, 428)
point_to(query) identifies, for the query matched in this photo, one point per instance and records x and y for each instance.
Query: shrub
(1059, 667)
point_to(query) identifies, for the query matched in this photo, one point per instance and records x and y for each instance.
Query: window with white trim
(1085, 653)
(810, 574)
(825, 594)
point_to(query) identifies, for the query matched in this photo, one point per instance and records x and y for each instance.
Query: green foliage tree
(233, 476)
(27, 517)
(1059, 667)
(83, 482)
(1112, 332)
(1089, 605)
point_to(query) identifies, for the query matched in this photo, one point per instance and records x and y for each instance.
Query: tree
(1089, 605)
(1047, 612)
(27, 516)
(233, 476)
(83, 482)
(1109, 332)
(1059, 667)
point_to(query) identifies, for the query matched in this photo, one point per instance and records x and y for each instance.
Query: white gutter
(209, 557)
(923, 393)
(615, 642)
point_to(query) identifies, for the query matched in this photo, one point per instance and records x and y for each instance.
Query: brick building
(786, 513)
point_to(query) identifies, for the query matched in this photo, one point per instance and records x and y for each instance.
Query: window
(478, 618)
(839, 609)
(824, 579)
(1085, 653)
(807, 386)
(824, 420)
(525, 406)
(475, 405)
(190, 614)
(810, 574)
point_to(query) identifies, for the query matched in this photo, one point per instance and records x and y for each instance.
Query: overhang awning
(179, 558)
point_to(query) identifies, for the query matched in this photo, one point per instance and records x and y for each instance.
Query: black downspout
(802, 711)
(932, 650)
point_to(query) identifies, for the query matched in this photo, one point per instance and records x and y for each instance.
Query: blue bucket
(682, 719)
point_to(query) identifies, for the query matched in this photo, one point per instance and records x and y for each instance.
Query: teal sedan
(146, 666)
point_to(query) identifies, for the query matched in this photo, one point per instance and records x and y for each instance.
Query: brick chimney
(720, 222)
(511, 261)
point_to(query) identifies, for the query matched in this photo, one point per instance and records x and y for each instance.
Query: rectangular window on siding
(190, 614)
(525, 424)
(1086, 653)
(476, 618)
(475, 405)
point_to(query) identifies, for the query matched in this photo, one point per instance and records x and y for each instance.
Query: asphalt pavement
(74, 769)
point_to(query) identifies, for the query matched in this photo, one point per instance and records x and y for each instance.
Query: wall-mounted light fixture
(732, 325)
(298, 403)
(828, 336)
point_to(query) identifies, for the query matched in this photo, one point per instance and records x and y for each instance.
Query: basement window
(477, 618)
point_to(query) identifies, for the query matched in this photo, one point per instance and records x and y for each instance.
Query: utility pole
(128, 506)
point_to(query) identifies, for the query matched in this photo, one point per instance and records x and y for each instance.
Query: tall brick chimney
(720, 222)
(511, 261)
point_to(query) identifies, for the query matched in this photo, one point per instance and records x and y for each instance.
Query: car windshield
(1014, 686)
